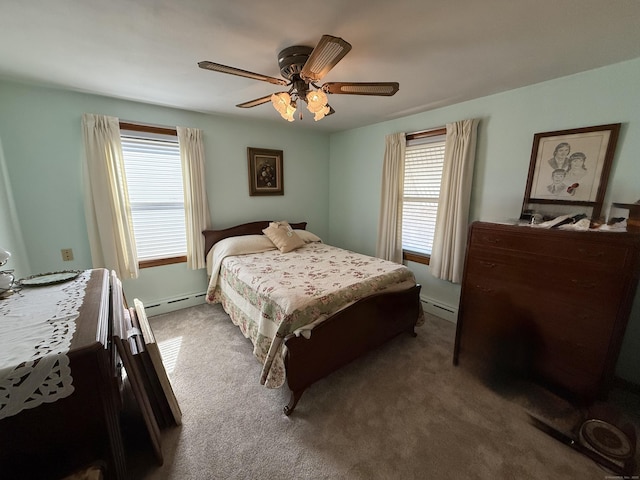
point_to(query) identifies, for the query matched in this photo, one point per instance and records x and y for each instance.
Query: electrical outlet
(67, 254)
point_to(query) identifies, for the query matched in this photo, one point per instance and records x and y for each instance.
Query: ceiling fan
(302, 67)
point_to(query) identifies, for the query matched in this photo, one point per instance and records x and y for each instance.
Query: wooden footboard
(348, 335)
(345, 336)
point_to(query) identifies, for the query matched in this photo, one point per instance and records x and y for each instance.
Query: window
(154, 182)
(424, 159)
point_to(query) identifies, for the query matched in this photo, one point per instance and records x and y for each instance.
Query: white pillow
(240, 245)
(308, 237)
(243, 244)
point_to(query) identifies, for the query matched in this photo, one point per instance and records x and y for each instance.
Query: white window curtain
(107, 208)
(195, 195)
(452, 220)
(389, 244)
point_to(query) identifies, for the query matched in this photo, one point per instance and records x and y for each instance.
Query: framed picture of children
(265, 171)
(571, 167)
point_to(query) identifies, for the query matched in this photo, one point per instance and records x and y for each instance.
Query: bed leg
(293, 401)
(412, 332)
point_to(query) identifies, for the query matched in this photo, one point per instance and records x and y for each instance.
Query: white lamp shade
(316, 100)
(289, 111)
(319, 115)
(281, 101)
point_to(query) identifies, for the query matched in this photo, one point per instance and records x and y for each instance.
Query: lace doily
(36, 328)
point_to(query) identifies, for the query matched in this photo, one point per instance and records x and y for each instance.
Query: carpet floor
(401, 412)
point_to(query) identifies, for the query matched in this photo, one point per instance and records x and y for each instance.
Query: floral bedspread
(270, 294)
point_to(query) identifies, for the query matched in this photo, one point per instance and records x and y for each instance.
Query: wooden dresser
(548, 304)
(59, 436)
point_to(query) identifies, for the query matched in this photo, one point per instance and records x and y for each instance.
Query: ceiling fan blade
(324, 57)
(216, 67)
(384, 89)
(255, 103)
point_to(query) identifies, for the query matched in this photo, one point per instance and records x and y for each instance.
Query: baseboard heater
(439, 309)
(431, 306)
(172, 304)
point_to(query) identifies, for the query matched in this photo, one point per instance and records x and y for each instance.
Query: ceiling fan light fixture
(281, 101)
(316, 100)
(289, 111)
(320, 114)
(303, 67)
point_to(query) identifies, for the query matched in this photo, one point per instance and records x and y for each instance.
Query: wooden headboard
(211, 237)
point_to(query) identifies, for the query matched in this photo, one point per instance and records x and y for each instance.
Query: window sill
(416, 257)
(162, 261)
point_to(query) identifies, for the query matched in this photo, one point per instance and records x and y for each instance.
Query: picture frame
(571, 168)
(125, 354)
(161, 395)
(265, 171)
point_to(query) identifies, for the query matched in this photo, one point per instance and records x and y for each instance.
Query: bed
(310, 310)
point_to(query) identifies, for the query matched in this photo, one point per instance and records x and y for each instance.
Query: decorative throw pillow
(283, 236)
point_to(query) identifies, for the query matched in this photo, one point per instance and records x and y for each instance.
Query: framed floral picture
(265, 171)
(571, 167)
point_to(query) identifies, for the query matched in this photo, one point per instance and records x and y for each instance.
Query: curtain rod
(137, 127)
(426, 133)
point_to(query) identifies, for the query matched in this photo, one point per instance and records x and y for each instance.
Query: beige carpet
(402, 412)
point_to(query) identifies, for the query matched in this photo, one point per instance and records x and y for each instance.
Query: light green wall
(333, 182)
(43, 152)
(508, 122)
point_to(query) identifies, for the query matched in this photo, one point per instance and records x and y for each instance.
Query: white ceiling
(441, 51)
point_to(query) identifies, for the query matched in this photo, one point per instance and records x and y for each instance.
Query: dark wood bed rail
(211, 237)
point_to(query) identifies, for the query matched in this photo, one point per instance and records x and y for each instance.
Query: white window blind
(154, 180)
(424, 159)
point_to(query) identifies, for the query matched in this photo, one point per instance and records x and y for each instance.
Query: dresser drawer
(551, 317)
(576, 383)
(544, 279)
(584, 247)
(509, 331)
(559, 300)
(576, 341)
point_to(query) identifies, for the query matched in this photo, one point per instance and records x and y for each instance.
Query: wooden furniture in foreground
(127, 349)
(158, 385)
(633, 220)
(343, 337)
(54, 439)
(547, 303)
(153, 397)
